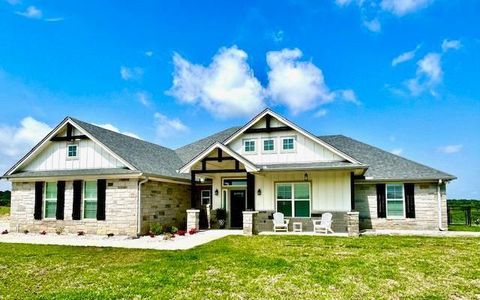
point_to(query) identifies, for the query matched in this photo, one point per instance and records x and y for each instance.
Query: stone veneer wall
(426, 208)
(164, 203)
(120, 210)
(264, 223)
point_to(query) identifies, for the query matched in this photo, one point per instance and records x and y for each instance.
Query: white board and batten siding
(90, 156)
(306, 150)
(330, 191)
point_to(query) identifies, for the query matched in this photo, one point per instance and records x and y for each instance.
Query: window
(249, 146)
(235, 182)
(72, 151)
(268, 145)
(395, 201)
(288, 144)
(90, 200)
(50, 199)
(205, 197)
(293, 199)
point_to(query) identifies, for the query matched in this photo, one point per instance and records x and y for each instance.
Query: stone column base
(353, 227)
(249, 222)
(193, 219)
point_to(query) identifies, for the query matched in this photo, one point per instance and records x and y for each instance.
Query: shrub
(59, 230)
(170, 229)
(81, 233)
(181, 232)
(221, 214)
(156, 229)
(43, 232)
(110, 234)
(26, 231)
(167, 236)
(192, 231)
(5, 232)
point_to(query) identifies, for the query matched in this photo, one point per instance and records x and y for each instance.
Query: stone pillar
(249, 222)
(353, 227)
(193, 219)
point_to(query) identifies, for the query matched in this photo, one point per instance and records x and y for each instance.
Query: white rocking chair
(279, 222)
(324, 225)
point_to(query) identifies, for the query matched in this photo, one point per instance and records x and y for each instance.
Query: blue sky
(401, 75)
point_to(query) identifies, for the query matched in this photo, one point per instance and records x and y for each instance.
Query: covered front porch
(249, 195)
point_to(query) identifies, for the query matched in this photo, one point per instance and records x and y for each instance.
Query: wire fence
(463, 215)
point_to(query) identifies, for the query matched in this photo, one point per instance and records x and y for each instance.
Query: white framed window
(249, 146)
(395, 200)
(268, 145)
(234, 182)
(293, 199)
(50, 200)
(90, 200)
(206, 196)
(288, 144)
(72, 151)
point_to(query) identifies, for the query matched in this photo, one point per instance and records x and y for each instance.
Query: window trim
(292, 183)
(403, 201)
(254, 145)
(203, 197)
(76, 151)
(282, 150)
(274, 150)
(50, 200)
(84, 199)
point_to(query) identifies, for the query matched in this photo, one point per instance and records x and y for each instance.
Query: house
(84, 177)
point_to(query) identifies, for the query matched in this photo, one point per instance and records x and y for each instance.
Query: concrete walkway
(146, 242)
(433, 233)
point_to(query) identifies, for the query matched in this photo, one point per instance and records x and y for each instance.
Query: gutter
(139, 203)
(439, 200)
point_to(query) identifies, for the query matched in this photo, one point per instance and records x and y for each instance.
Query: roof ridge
(207, 137)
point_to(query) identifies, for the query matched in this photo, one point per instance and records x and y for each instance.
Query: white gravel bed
(144, 242)
(433, 233)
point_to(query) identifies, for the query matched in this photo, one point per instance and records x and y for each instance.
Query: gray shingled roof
(383, 164)
(147, 157)
(326, 165)
(188, 152)
(82, 172)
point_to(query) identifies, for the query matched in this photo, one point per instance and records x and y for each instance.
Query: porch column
(250, 191)
(193, 219)
(249, 222)
(353, 226)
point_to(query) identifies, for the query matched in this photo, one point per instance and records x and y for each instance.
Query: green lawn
(4, 211)
(240, 267)
(463, 228)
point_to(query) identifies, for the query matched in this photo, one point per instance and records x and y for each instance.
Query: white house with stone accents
(82, 177)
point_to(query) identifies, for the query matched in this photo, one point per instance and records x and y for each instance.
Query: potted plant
(221, 216)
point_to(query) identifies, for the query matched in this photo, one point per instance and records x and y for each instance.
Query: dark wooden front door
(237, 206)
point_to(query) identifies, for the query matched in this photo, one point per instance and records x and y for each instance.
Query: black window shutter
(381, 202)
(250, 191)
(101, 191)
(37, 214)
(77, 200)
(409, 200)
(60, 200)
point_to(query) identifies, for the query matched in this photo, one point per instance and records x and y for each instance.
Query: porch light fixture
(259, 192)
(216, 192)
(305, 177)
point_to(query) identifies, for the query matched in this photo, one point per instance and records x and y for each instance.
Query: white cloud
(149, 53)
(226, 88)
(299, 85)
(144, 98)
(404, 57)
(403, 7)
(31, 12)
(278, 36)
(17, 140)
(347, 95)
(397, 151)
(321, 113)
(449, 149)
(131, 73)
(115, 129)
(373, 25)
(343, 2)
(428, 77)
(450, 44)
(54, 19)
(14, 2)
(167, 127)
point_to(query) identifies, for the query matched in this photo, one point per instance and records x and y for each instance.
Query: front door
(237, 206)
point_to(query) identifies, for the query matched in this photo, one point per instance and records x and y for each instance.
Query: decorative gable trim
(52, 137)
(249, 166)
(288, 126)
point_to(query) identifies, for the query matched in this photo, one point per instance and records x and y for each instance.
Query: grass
(463, 228)
(240, 267)
(4, 211)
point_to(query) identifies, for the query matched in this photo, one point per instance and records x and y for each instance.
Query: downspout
(139, 207)
(439, 200)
